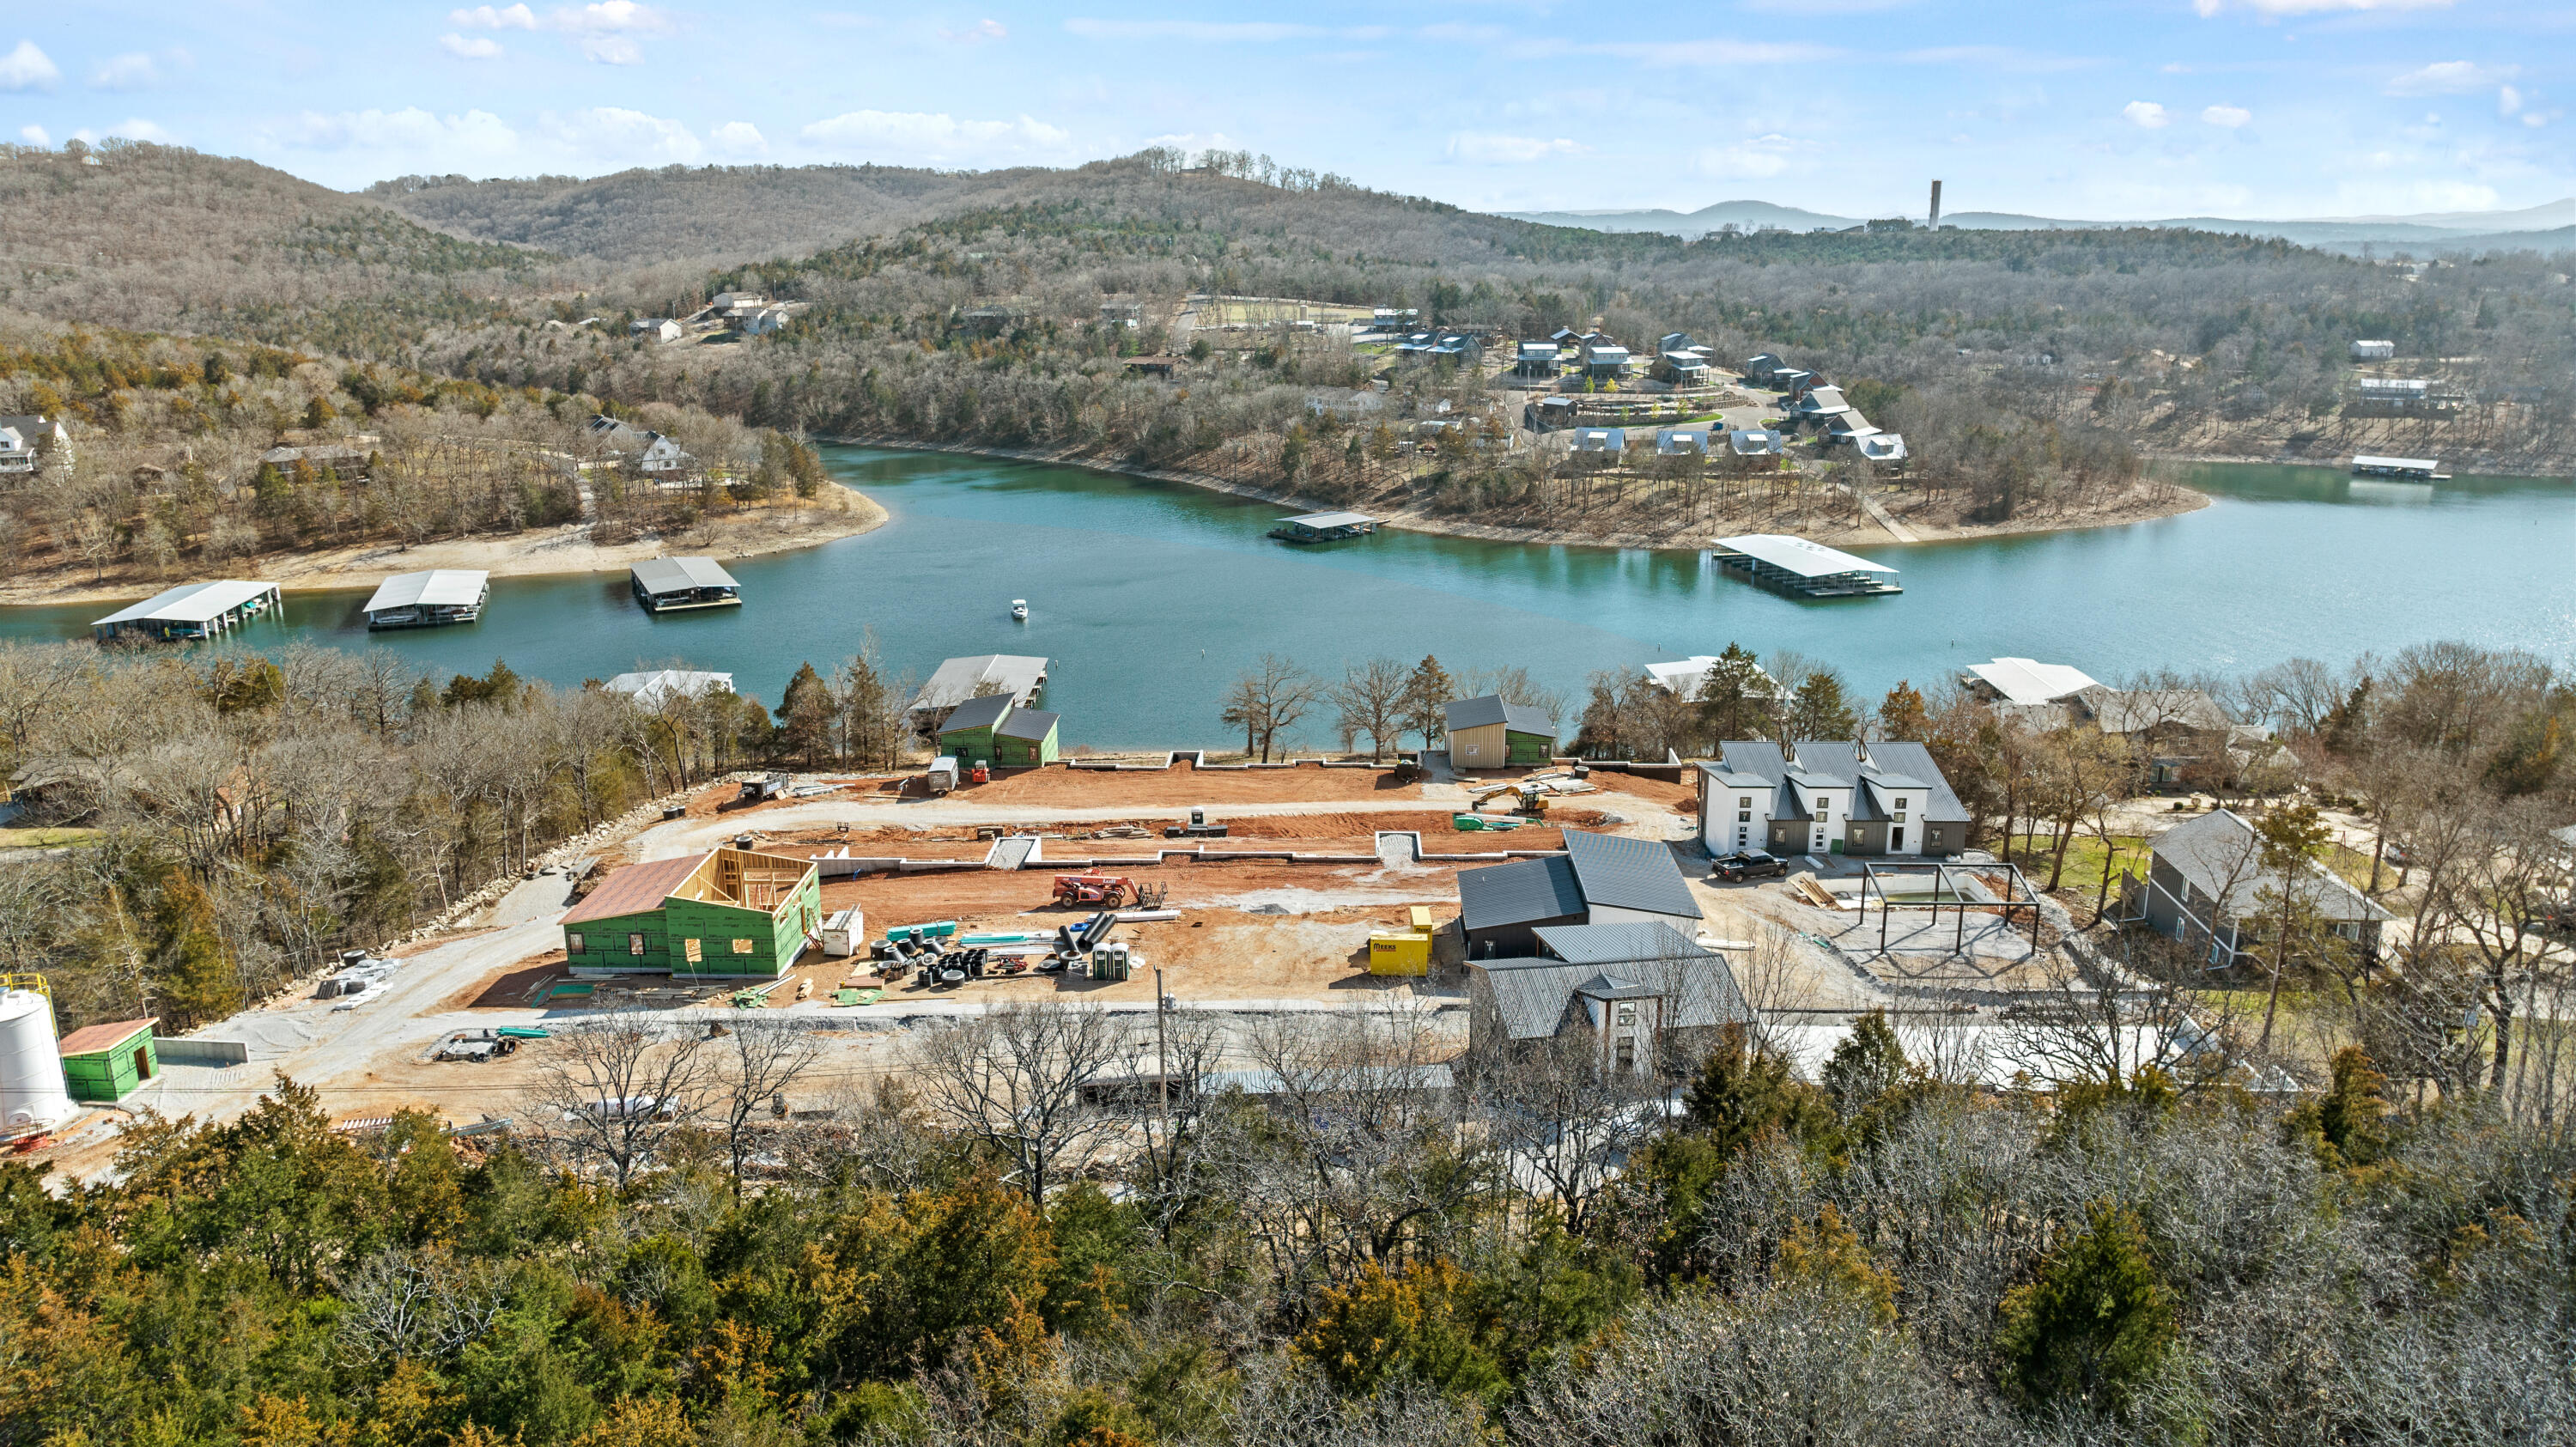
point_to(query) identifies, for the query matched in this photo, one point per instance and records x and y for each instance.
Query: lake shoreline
(2146, 502)
(564, 549)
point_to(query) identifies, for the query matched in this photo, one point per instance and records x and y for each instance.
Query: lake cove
(1150, 597)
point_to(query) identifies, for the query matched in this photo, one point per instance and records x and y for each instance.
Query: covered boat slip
(1810, 570)
(2407, 469)
(189, 611)
(670, 585)
(1324, 527)
(426, 600)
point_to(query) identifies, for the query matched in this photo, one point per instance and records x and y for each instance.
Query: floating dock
(672, 585)
(426, 600)
(1324, 527)
(190, 612)
(1810, 570)
(2404, 469)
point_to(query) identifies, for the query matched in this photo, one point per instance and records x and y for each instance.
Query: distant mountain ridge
(2442, 229)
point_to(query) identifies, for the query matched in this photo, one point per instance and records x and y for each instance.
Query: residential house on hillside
(660, 329)
(1487, 733)
(1756, 442)
(1761, 368)
(1638, 996)
(1603, 359)
(764, 321)
(1682, 369)
(27, 441)
(1884, 451)
(2206, 886)
(1819, 406)
(726, 914)
(648, 451)
(1600, 879)
(1536, 361)
(1829, 798)
(333, 459)
(992, 731)
(2187, 740)
(649, 689)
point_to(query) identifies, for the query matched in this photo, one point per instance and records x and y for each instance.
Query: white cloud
(977, 33)
(2317, 7)
(132, 128)
(606, 30)
(2508, 100)
(740, 138)
(2229, 116)
(2450, 77)
(938, 137)
(2535, 119)
(2146, 113)
(1208, 30)
(1669, 54)
(618, 135)
(470, 47)
(35, 136)
(130, 71)
(1745, 161)
(1483, 148)
(485, 17)
(27, 68)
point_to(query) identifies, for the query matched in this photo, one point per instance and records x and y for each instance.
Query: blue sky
(2112, 110)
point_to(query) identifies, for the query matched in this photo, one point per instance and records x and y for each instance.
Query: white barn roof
(1330, 519)
(1799, 556)
(652, 687)
(664, 575)
(1018, 676)
(436, 588)
(190, 602)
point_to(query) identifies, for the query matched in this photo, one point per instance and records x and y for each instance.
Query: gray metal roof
(2220, 855)
(978, 713)
(957, 679)
(1534, 999)
(671, 575)
(438, 588)
(1890, 767)
(1518, 893)
(1518, 718)
(1330, 519)
(1799, 556)
(1028, 723)
(1626, 873)
(1611, 944)
(191, 602)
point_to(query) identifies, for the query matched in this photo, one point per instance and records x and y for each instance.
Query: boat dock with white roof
(427, 599)
(1798, 566)
(2407, 469)
(1324, 527)
(189, 611)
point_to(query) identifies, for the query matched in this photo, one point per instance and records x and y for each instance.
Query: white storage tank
(32, 1096)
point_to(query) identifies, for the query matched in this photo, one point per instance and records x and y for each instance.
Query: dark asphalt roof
(1517, 893)
(1518, 718)
(1028, 723)
(1637, 874)
(978, 713)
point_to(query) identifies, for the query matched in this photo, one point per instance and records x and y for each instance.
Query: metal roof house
(1600, 879)
(1017, 677)
(2206, 886)
(675, 585)
(428, 599)
(1612, 440)
(725, 914)
(1760, 368)
(1487, 733)
(24, 441)
(1643, 996)
(1756, 442)
(1682, 369)
(1681, 442)
(1799, 566)
(1536, 360)
(649, 689)
(1829, 798)
(1886, 450)
(993, 731)
(1324, 527)
(190, 611)
(2373, 351)
(1604, 360)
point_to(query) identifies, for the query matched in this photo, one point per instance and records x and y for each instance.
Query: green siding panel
(1522, 748)
(103, 1077)
(969, 746)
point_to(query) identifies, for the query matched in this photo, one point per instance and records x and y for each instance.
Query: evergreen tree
(2097, 1322)
(1820, 711)
(1427, 698)
(805, 716)
(1902, 716)
(1734, 697)
(1865, 1066)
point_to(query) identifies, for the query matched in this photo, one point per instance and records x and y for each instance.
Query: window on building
(1627, 1013)
(634, 944)
(1743, 803)
(1627, 1054)
(742, 947)
(572, 942)
(1744, 817)
(1900, 808)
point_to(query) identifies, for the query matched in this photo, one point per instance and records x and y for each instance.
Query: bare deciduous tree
(1014, 1079)
(615, 1088)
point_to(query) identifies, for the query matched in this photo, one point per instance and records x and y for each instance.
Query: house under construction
(725, 914)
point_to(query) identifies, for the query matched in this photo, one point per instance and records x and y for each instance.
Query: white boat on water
(1020, 609)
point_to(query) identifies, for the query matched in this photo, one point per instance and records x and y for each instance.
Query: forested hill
(164, 238)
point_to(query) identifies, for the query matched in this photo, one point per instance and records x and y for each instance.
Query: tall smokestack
(1936, 205)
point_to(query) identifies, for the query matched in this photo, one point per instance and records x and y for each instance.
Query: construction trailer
(994, 732)
(674, 585)
(727, 914)
(189, 612)
(103, 1064)
(429, 599)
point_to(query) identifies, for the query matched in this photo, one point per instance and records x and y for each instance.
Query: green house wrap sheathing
(688, 917)
(104, 1064)
(1531, 749)
(992, 730)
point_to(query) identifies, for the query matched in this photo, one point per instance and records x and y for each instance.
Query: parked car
(1747, 864)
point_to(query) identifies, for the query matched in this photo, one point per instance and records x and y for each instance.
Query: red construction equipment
(1112, 890)
(981, 775)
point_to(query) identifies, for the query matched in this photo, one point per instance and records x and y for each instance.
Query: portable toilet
(32, 1097)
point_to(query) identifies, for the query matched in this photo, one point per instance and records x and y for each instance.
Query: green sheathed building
(990, 730)
(727, 914)
(103, 1064)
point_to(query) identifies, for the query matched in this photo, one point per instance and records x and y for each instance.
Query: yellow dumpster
(1399, 952)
